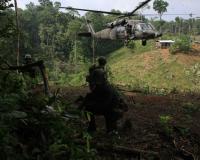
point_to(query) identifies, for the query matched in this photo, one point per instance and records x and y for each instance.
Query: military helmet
(27, 56)
(102, 61)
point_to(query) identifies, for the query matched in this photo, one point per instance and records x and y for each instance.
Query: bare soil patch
(142, 128)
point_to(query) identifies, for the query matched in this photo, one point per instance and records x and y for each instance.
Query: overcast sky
(175, 6)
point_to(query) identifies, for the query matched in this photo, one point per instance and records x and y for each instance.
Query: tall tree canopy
(160, 6)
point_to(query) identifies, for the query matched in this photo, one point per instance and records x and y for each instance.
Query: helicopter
(123, 28)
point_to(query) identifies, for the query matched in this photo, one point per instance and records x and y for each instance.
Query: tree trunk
(18, 34)
(75, 51)
(180, 25)
(160, 23)
(93, 50)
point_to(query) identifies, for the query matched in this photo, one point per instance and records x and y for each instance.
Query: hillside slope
(156, 69)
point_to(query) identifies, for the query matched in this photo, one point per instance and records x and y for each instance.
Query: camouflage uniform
(94, 73)
(30, 73)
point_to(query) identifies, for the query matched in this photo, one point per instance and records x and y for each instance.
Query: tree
(7, 31)
(6, 24)
(97, 19)
(160, 6)
(179, 21)
(45, 3)
(18, 34)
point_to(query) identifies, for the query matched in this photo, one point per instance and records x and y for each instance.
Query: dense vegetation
(155, 71)
(48, 33)
(32, 125)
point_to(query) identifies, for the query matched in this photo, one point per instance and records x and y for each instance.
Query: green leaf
(18, 114)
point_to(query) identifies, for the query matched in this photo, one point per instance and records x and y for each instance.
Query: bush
(165, 121)
(31, 129)
(182, 44)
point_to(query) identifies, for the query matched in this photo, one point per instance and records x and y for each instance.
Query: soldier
(91, 78)
(102, 62)
(31, 71)
(103, 98)
(27, 59)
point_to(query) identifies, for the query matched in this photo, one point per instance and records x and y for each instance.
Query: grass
(75, 76)
(153, 69)
(147, 68)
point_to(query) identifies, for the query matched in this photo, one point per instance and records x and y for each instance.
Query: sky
(175, 6)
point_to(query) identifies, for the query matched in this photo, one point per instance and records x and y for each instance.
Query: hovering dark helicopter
(123, 28)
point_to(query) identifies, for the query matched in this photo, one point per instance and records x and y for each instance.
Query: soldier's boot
(92, 124)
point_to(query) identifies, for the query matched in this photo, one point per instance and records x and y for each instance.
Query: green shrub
(191, 108)
(165, 124)
(182, 44)
(31, 129)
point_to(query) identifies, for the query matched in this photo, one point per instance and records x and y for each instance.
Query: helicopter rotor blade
(140, 6)
(95, 11)
(129, 14)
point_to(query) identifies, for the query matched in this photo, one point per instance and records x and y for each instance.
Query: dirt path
(147, 61)
(149, 57)
(145, 125)
(165, 55)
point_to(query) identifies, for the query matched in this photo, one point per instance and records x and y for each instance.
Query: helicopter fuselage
(124, 28)
(128, 30)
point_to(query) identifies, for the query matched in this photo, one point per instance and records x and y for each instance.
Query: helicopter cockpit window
(137, 27)
(143, 26)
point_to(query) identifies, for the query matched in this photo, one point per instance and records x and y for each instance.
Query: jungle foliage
(28, 129)
(33, 126)
(50, 34)
(182, 44)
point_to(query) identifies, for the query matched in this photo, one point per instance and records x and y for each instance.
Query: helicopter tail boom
(85, 34)
(90, 33)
